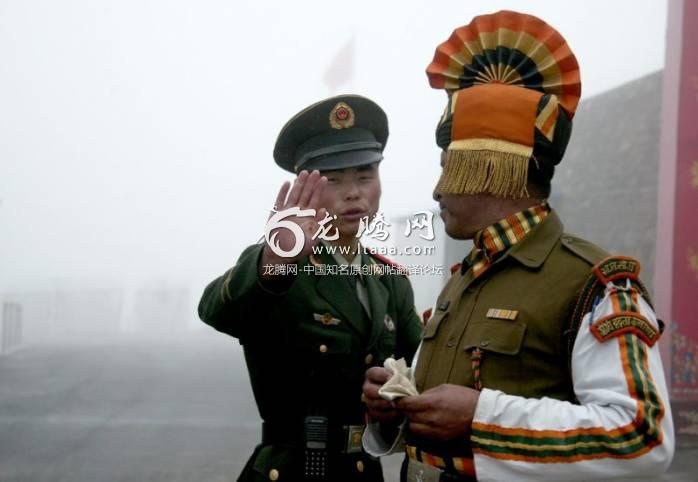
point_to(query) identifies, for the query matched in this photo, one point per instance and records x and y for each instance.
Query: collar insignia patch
(326, 319)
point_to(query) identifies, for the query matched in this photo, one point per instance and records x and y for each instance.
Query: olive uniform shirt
(556, 403)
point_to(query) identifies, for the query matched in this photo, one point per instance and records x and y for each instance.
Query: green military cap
(336, 133)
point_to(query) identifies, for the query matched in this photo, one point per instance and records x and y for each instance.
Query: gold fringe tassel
(501, 174)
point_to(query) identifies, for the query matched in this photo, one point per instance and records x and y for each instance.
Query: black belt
(345, 439)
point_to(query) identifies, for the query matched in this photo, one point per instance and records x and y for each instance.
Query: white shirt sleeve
(376, 446)
(622, 426)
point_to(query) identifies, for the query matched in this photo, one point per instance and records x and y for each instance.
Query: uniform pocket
(497, 336)
(498, 345)
(275, 462)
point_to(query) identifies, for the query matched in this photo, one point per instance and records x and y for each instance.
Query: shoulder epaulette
(583, 249)
(400, 268)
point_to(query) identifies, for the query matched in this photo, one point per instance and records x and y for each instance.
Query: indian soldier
(540, 361)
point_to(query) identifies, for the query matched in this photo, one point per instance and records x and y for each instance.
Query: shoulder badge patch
(627, 322)
(617, 267)
(326, 319)
(456, 267)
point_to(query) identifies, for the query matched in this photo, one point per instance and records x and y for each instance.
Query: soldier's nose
(352, 193)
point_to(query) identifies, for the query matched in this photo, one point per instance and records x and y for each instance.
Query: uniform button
(451, 343)
(369, 359)
(360, 466)
(484, 343)
(273, 474)
(323, 348)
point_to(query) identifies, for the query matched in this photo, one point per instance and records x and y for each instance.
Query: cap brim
(343, 160)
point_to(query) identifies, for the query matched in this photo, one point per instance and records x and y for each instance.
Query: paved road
(139, 411)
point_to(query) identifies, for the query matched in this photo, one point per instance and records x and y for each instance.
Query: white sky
(136, 136)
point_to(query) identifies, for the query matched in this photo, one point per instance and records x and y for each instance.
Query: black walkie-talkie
(316, 431)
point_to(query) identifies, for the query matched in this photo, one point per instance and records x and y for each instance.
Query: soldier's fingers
(377, 375)
(297, 188)
(319, 188)
(308, 188)
(281, 196)
(370, 390)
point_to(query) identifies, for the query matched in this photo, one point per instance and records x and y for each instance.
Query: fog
(136, 164)
(136, 136)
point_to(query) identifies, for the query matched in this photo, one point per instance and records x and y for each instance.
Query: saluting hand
(442, 413)
(305, 193)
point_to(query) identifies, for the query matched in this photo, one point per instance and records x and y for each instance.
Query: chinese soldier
(540, 361)
(311, 308)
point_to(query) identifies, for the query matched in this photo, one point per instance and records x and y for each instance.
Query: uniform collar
(496, 240)
(535, 248)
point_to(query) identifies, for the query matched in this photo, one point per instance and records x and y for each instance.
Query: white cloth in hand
(401, 383)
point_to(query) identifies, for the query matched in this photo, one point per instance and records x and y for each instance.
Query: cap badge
(342, 116)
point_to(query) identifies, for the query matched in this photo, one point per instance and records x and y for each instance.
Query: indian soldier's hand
(305, 193)
(379, 409)
(441, 413)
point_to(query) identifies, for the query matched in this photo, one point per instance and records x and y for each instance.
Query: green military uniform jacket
(307, 350)
(536, 282)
